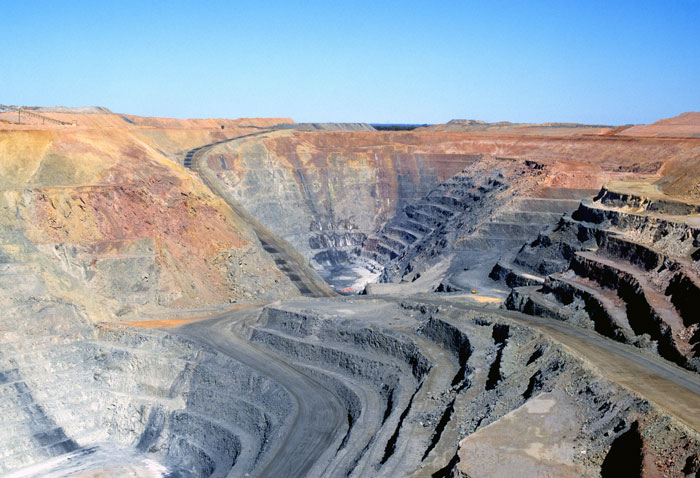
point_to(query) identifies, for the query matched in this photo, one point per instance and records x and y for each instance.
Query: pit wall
(325, 199)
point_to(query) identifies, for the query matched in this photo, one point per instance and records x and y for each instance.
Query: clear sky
(610, 62)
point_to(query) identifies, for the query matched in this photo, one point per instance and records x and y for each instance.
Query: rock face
(109, 209)
(326, 203)
(121, 354)
(360, 205)
(622, 264)
(79, 397)
(406, 382)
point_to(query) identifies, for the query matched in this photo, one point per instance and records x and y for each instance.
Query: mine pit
(231, 298)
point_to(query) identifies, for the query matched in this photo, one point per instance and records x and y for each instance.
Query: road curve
(663, 383)
(319, 418)
(288, 260)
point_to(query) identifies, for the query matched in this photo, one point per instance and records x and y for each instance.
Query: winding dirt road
(288, 260)
(670, 387)
(319, 417)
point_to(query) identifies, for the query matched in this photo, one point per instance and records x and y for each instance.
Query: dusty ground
(123, 354)
(114, 211)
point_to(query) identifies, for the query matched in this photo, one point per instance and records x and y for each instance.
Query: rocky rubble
(621, 264)
(102, 233)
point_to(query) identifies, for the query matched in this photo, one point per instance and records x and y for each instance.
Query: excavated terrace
(417, 377)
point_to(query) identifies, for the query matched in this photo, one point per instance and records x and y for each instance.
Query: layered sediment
(623, 264)
(122, 354)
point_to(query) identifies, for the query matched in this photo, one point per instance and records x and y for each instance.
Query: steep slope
(624, 264)
(685, 125)
(342, 197)
(103, 234)
(128, 223)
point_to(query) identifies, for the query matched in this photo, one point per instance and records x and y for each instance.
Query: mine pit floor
(105, 460)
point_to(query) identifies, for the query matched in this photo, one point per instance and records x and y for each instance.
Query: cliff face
(330, 193)
(109, 208)
(100, 221)
(326, 192)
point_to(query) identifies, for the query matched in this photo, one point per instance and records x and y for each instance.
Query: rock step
(12, 267)
(406, 235)
(206, 424)
(603, 307)
(31, 415)
(436, 207)
(651, 227)
(530, 300)
(368, 367)
(186, 451)
(644, 318)
(50, 433)
(618, 246)
(27, 402)
(375, 344)
(509, 229)
(16, 352)
(527, 217)
(417, 227)
(38, 371)
(112, 335)
(559, 206)
(16, 246)
(565, 193)
(487, 243)
(11, 371)
(37, 441)
(211, 402)
(452, 203)
(614, 273)
(666, 205)
(392, 243)
(116, 332)
(375, 257)
(18, 253)
(553, 248)
(44, 358)
(679, 281)
(15, 345)
(239, 402)
(21, 285)
(426, 219)
(645, 256)
(375, 248)
(461, 179)
(514, 276)
(30, 456)
(155, 353)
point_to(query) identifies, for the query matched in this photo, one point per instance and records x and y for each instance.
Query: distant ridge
(326, 126)
(473, 126)
(83, 110)
(685, 125)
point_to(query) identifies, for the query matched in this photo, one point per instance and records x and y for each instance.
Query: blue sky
(380, 61)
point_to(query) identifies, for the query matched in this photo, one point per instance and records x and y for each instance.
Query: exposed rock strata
(621, 264)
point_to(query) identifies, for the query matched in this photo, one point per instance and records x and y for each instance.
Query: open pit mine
(261, 298)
